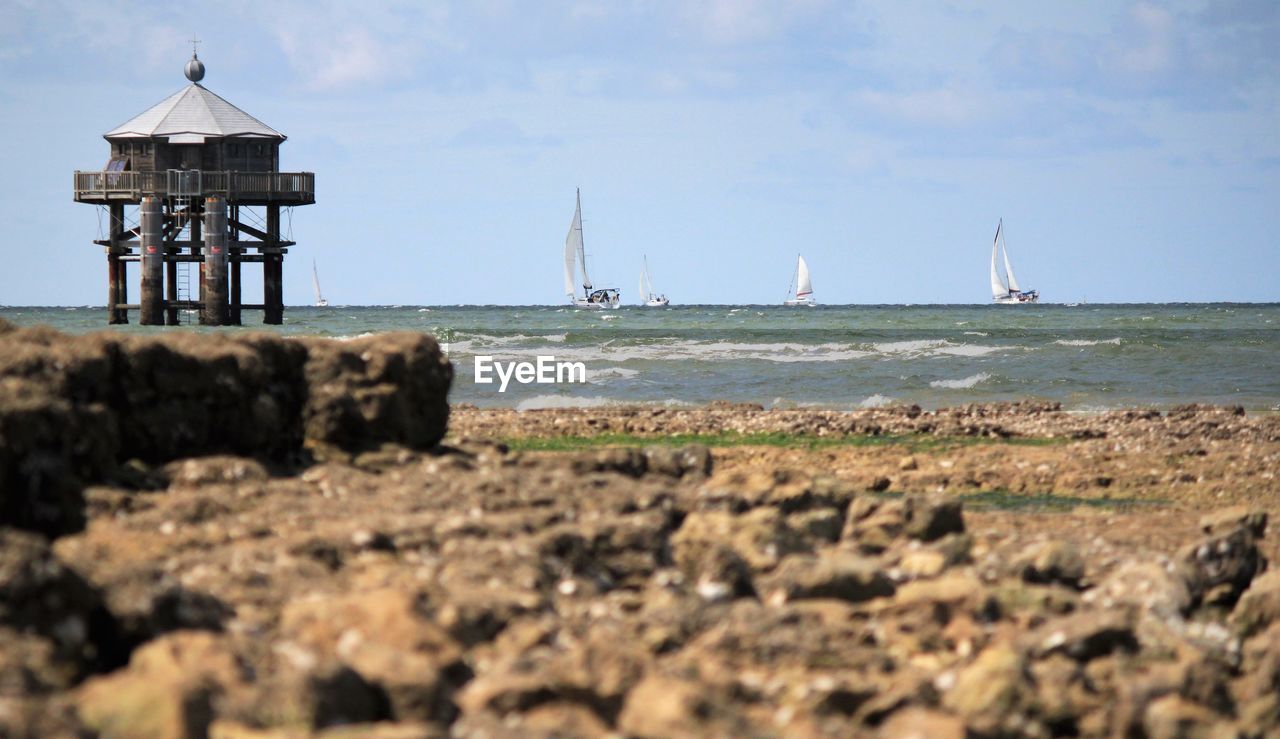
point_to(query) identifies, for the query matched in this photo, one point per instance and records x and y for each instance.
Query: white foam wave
(961, 384)
(905, 347)
(672, 350)
(353, 337)
(1087, 342)
(544, 402)
(876, 401)
(604, 374)
(968, 350)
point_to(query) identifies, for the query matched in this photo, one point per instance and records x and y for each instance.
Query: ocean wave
(621, 350)
(353, 337)
(1086, 342)
(908, 347)
(552, 402)
(604, 374)
(970, 350)
(876, 401)
(963, 383)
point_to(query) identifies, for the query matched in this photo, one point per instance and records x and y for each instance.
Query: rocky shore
(258, 537)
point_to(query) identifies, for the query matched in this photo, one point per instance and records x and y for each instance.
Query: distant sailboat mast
(315, 285)
(582, 250)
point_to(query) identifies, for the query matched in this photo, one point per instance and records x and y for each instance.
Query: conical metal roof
(191, 114)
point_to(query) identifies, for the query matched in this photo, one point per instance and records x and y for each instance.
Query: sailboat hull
(1019, 298)
(656, 303)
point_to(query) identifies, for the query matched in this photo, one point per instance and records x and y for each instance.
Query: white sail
(803, 285)
(573, 249)
(997, 285)
(315, 285)
(570, 252)
(647, 284)
(1008, 268)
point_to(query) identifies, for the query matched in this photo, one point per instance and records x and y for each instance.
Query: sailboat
(804, 286)
(651, 299)
(1007, 292)
(574, 254)
(315, 285)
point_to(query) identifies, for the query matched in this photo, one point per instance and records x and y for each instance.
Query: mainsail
(803, 285)
(315, 284)
(998, 288)
(1008, 268)
(646, 282)
(570, 252)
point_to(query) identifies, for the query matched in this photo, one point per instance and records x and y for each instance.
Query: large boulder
(185, 395)
(41, 596)
(172, 689)
(369, 391)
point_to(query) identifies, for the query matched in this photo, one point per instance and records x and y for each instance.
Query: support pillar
(151, 301)
(234, 252)
(273, 271)
(233, 309)
(215, 262)
(116, 291)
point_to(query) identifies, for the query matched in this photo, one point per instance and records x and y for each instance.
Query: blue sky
(1132, 148)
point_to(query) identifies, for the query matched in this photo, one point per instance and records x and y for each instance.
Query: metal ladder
(183, 186)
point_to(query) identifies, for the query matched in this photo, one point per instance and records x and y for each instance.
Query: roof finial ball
(195, 68)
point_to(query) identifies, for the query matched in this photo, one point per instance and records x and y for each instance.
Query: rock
(918, 563)
(820, 525)
(952, 593)
(660, 706)
(908, 463)
(1083, 636)
(1049, 562)
(214, 469)
(760, 537)
(1262, 664)
(1259, 606)
(787, 490)
(49, 448)
(40, 595)
(182, 395)
(72, 407)
(1220, 567)
(873, 524)
(995, 693)
(1227, 520)
(1174, 717)
(693, 460)
(171, 688)
(929, 518)
(1150, 586)
(387, 642)
(596, 672)
(922, 723)
(839, 575)
(386, 388)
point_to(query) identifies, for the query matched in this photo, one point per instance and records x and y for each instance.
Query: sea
(1088, 357)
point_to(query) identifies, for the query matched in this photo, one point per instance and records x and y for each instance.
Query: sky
(1132, 148)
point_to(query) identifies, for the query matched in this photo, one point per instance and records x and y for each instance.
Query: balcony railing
(283, 187)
